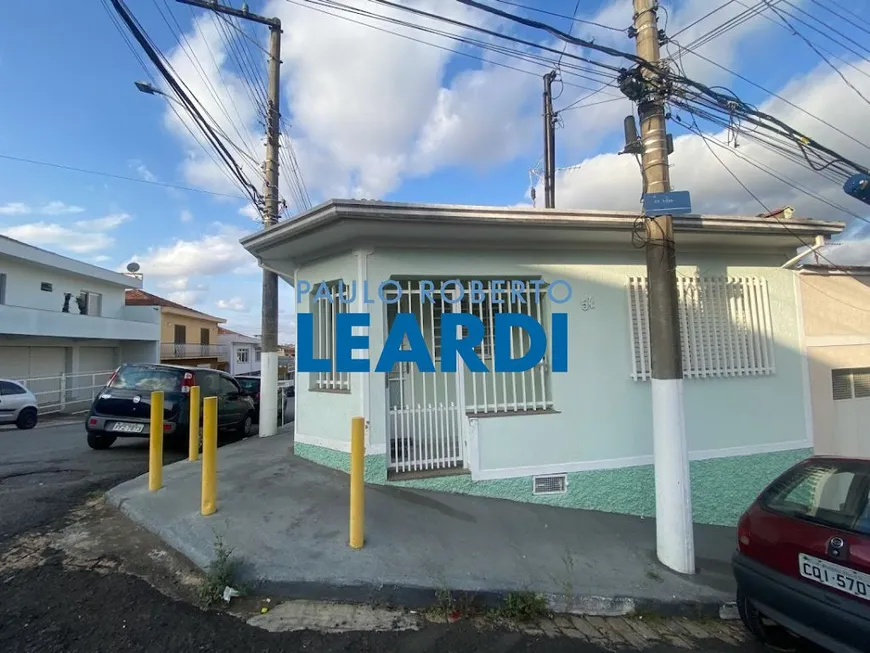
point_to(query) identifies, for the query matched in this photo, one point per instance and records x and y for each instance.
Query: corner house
(582, 438)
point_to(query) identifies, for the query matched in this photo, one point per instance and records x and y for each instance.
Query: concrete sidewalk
(286, 520)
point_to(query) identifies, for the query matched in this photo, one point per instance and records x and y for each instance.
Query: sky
(370, 112)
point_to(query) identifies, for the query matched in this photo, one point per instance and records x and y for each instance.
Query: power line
(126, 38)
(59, 166)
(522, 56)
(565, 16)
(152, 53)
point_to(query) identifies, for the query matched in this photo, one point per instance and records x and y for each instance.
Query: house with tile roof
(243, 352)
(187, 336)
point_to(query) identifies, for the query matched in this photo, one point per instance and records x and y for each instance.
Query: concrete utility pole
(549, 143)
(674, 534)
(269, 339)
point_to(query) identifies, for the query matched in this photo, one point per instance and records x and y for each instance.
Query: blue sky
(378, 116)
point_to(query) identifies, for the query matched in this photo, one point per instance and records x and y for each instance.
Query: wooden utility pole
(675, 538)
(268, 423)
(549, 143)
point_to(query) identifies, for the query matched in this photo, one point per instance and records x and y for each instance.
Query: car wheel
(27, 418)
(246, 426)
(100, 441)
(751, 617)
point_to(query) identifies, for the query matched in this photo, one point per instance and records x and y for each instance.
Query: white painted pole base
(268, 393)
(675, 538)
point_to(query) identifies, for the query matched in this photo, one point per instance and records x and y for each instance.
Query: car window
(9, 388)
(835, 494)
(249, 385)
(146, 378)
(228, 385)
(209, 384)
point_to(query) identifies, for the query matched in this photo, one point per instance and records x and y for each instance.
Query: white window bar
(725, 323)
(325, 314)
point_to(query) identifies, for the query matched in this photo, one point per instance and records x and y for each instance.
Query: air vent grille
(550, 484)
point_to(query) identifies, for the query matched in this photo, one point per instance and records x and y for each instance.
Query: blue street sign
(674, 203)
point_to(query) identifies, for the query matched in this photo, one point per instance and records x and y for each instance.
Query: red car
(803, 555)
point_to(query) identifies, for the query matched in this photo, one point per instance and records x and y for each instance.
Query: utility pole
(268, 423)
(674, 533)
(549, 143)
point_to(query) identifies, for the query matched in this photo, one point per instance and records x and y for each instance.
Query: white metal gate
(425, 411)
(425, 426)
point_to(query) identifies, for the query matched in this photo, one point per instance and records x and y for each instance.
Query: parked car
(250, 385)
(803, 554)
(123, 407)
(18, 405)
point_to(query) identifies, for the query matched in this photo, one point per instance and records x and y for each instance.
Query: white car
(18, 405)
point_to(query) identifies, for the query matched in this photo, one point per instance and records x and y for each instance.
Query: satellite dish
(132, 267)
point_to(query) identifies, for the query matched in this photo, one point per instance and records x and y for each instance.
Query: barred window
(324, 312)
(725, 327)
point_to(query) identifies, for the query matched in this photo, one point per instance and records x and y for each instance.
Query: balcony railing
(173, 350)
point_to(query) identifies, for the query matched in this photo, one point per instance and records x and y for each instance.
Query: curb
(418, 598)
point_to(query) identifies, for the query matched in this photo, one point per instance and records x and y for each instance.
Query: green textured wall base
(722, 488)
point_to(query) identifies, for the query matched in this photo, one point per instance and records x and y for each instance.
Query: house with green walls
(580, 438)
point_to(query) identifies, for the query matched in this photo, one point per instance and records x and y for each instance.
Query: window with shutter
(850, 383)
(725, 327)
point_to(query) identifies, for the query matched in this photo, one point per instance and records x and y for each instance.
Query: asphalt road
(48, 473)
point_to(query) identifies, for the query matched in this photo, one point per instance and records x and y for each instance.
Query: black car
(123, 407)
(250, 385)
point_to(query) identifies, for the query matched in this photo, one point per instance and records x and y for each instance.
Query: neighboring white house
(64, 326)
(243, 353)
(582, 438)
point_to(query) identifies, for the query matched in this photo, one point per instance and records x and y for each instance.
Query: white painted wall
(236, 343)
(27, 310)
(323, 417)
(603, 415)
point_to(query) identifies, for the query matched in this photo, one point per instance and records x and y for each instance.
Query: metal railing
(189, 350)
(67, 393)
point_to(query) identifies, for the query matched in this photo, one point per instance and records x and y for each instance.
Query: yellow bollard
(209, 456)
(155, 443)
(357, 481)
(193, 437)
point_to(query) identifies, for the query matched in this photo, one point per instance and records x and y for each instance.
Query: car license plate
(126, 427)
(836, 576)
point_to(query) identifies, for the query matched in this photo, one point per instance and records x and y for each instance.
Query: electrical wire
(571, 18)
(111, 175)
(157, 59)
(567, 69)
(823, 57)
(126, 38)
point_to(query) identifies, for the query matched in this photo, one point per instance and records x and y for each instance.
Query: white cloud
(105, 223)
(185, 216)
(212, 254)
(14, 208)
(190, 298)
(101, 258)
(59, 208)
(142, 170)
(236, 304)
(83, 237)
(51, 208)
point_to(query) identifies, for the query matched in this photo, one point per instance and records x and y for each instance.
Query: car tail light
(187, 383)
(743, 538)
(92, 421)
(166, 426)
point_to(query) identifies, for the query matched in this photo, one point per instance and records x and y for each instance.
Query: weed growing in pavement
(523, 607)
(652, 574)
(221, 573)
